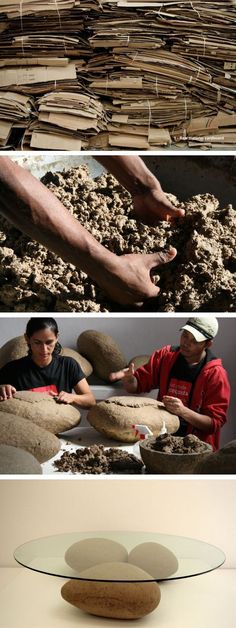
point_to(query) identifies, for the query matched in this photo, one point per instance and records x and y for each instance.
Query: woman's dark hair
(37, 324)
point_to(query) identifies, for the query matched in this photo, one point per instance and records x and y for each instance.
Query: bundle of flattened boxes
(100, 74)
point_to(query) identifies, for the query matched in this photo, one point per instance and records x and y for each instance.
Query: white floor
(32, 600)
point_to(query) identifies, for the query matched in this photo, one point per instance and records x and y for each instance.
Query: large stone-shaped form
(222, 461)
(17, 348)
(154, 558)
(19, 432)
(102, 351)
(42, 410)
(13, 350)
(89, 552)
(119, 600)
(115, 416)
(14, 460)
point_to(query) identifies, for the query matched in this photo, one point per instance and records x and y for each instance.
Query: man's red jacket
(210, 393)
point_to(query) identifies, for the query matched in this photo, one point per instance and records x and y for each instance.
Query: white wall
(140, 335)
(201, 509)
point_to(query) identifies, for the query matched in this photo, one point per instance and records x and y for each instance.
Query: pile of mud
(201, 278)
(189, 444)
(97, 460)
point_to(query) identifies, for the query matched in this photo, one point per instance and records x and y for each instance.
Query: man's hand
(153, 205)
(129, 281)
(6, 392)
(175, 406)
(36, 211)
(149, 201)
(127, 375)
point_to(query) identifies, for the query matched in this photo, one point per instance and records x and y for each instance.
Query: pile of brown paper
(15, 109)
(70, 117)
(120, 73)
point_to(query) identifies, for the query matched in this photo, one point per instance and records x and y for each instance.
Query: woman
(44, 369)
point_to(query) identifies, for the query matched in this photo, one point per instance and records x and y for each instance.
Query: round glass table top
(119, 556)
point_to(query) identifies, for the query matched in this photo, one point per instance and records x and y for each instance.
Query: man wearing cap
(192, 382)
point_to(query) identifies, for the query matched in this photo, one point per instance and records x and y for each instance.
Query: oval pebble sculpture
(119, 600)
(115, 417)
(16, 460)
(19, 432)
(13, 350)
(42, 410)
(154, 558)
(85, 364)
(90, 552)
(102, 351)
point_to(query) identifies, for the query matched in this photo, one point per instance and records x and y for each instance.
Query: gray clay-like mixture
(201, 278)
(96, 459)
(189, 444)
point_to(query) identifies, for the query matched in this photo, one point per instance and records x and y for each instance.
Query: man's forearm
(131, 172)
(201, 421)
(33, 209)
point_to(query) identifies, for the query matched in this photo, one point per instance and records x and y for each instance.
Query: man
(33, 209)
(192, 382)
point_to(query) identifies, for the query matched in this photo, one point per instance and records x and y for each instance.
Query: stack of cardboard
(32, 46)
(13, 8)
(151, 90)
(70, 118)
(15, 110)
(122, 73)
(209, 132)
(191, 77)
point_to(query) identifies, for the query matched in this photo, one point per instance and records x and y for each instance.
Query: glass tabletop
(119, 556)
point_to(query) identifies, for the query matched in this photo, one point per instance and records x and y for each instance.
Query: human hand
(6, 392)
(128, 280)
(65, 397)
(175, 406)
(126, 374)
(152, 205)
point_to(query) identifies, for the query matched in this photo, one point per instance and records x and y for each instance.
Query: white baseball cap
(202, 328)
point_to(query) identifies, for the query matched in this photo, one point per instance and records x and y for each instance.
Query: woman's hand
(65, 397)
(6, 391)
(82, 396)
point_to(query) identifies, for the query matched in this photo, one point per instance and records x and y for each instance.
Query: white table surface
(32, 600)
(78, 438)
